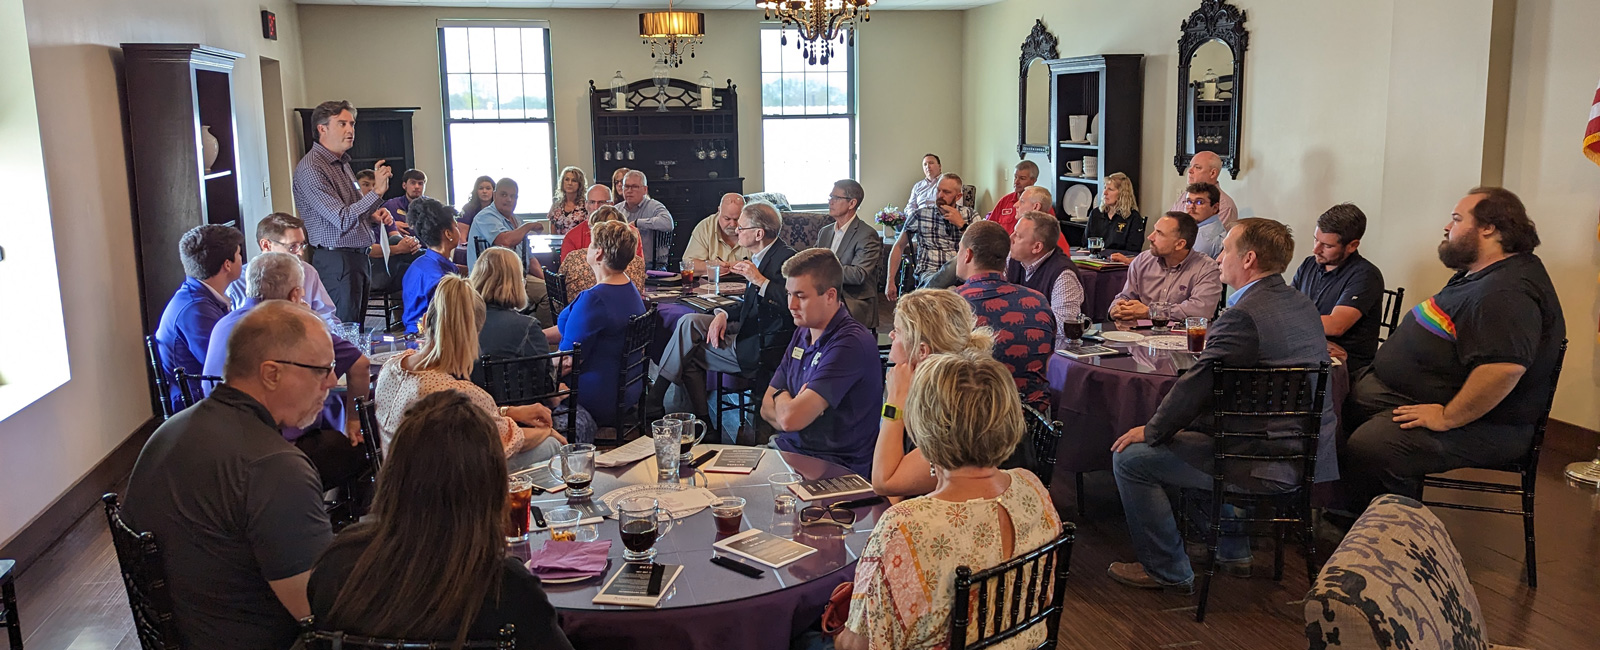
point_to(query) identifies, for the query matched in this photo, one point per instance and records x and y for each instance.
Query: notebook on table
(827, 488)
(743, 460)
(764, 547)
(707, 303)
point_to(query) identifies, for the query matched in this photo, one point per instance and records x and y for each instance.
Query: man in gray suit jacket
(1268, 324)
(859, 249)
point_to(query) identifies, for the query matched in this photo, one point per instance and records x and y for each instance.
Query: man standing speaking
(342, 222)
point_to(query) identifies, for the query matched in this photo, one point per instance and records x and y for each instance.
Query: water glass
(714, 274)
(641, 522)
(350, 332)
(668, 434)
(694, 431)
(784, 500)
(574, 464)
(563, 523)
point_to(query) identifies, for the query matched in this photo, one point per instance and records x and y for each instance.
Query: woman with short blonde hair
(449, 333)
(964, 412)
(568, 210)
(597, 320)
(575, 266)
(1117, 219)
(926, 322)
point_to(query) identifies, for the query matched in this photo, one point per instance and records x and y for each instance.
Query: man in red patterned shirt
(1024, 327)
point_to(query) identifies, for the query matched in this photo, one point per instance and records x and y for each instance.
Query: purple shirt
(327, 198)
(397, 207)
(1193, 287)
(344, 356)
(842, 367)
(184, 333)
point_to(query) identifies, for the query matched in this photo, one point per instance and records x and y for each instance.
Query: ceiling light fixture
(819, 22)
(670, 33)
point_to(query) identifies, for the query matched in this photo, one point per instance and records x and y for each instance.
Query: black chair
(1390, 312)
(555, 286)
(314, 639)
(634, 371)
(747, 391)
(528, 380)
(144, 574)
(1045, 571)
(163, 390)
(8, 604)
(1044, 435)
(479, 245)
(1246, 394)
(188, 386)
(354, 499)
(1526, 467)
(387, 304)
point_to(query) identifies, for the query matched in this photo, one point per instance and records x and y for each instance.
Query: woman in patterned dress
(568, 210)
(575, 265)
(965, 416)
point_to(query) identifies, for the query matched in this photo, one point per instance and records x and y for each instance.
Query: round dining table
(1099, 288)
(1101, 398)
(709, 607)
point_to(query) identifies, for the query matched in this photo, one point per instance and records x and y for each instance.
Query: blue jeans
(1144, 476)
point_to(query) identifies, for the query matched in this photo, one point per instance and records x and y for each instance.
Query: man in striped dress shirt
(342, 222)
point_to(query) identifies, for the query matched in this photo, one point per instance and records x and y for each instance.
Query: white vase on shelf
(208, 147)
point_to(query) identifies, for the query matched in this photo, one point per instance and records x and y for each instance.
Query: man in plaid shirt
(937, 230)
(342, 222)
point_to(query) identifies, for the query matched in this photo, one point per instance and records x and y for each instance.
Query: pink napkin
(661, 274)
(560, 560)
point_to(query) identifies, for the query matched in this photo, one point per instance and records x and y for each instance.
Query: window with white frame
(497, 116)
(808, 120)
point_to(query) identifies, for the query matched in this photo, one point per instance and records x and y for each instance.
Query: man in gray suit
(859, 249)
(1268, 324)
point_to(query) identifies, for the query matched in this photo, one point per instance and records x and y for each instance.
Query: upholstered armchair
(1396, 581)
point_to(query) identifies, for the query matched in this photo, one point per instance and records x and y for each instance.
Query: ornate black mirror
(1210, 84)
(1033, 101)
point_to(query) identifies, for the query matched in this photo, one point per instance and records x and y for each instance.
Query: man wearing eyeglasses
(1203, 203)
(285, 233)
(654, 222)
(330, 441)
(237, 508)
(859, 249)
(717, 237)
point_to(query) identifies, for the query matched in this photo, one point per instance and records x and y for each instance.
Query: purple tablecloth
(1099, 287)
(707, 607)
(1100, 399)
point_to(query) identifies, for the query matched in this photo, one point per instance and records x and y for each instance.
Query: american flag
(1591, 135)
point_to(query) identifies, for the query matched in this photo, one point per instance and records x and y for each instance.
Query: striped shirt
(327, 198)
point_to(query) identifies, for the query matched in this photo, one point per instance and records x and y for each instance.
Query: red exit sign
(269, 25)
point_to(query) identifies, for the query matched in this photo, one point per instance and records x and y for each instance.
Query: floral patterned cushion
(1396, 581)
(800, 229)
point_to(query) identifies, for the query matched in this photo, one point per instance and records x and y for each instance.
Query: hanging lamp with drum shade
(671, 33)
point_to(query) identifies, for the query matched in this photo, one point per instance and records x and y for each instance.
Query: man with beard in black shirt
(1464, 379)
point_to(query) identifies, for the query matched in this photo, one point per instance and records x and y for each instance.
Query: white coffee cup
(1075, 167)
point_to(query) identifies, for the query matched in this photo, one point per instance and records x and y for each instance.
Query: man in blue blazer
(1268, 324)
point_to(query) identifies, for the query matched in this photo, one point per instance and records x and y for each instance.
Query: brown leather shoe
(1132, 574)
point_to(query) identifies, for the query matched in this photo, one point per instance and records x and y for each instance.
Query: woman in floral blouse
(575, 266)
(567, 210)
(444, 361)
(965, 416)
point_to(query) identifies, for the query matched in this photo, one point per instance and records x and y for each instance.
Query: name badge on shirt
(797, 353)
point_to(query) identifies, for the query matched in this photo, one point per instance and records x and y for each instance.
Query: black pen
(703, 459)
(538, 516)
(740, 567)
(857, 503)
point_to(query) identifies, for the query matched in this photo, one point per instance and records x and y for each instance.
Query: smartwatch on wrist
(891, 412)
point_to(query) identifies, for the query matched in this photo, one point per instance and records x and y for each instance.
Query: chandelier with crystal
(671, 33)
(820, 23)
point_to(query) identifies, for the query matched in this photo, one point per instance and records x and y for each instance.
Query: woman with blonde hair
(449, 346)
(577, 269)
(1117, 219)
(926, 322)
(568, 209)
(964, 414)
(598, 319)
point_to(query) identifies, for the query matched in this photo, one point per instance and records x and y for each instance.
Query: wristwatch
(504, 410)
(891, 412)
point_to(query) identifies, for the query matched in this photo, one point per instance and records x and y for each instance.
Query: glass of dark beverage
(521, 496)
(1160, 317)
(1096, 245)
(1196, 328)
(575, 465)
(688, 272)
(642, 522)
(693, 432)
(1072, 330)
(728, 512)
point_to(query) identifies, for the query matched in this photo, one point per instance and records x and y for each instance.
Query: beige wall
(46, 447)
(896, 125)
(1394, 106)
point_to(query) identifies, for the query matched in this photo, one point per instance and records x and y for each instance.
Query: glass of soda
(521, 488)
(1196, 328)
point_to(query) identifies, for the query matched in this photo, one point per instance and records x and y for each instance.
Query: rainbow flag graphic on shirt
(1432, 318)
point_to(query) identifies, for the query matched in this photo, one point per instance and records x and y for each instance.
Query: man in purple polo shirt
(330, 441)
(212, 256)
(826, 394)
(414, 183)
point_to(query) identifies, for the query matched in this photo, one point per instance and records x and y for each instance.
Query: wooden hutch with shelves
(690, 155)
(1108, 86)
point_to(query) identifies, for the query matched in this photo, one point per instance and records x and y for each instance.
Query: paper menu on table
(736, 461)
(764, 547)
(630, 585)
(641, 448)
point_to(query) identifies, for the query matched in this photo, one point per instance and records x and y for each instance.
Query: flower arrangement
(891, 216)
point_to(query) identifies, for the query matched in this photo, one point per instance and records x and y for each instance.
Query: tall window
(497, 106)
(808, 120)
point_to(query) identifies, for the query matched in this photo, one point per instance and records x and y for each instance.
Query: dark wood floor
(72, 597)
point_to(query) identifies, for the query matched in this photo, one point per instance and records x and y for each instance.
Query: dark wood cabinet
(1109, 87)
(381, 134)
(174, 93)
(690, 155)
